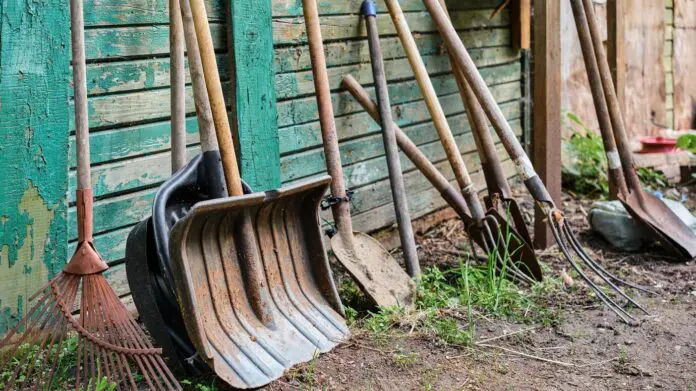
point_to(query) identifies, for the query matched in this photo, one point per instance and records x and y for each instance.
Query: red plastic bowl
(658, 144)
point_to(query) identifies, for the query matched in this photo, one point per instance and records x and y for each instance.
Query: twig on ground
(483, 341)
(546, 360)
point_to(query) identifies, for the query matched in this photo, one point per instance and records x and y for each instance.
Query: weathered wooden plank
(683, 64)
(644, 39)
(287, 31)
(301, 137)
(143, 74)
(116, 212)
(152, 105)
(303, 110)
(117, 42)
(328, 7)
(547, 110)
(121, 143)
(139, 140)
(129, 174)
(126, 76)
(288, 59)
(34, 84)
(131, 12)
(253, 96)
(290, 85)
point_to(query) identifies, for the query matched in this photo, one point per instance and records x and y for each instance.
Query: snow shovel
(562, 231)
(453, 197)
(148, 265)
(653, 213)
(250, 271)
(499, 239)
(377, 273)
(403, 218)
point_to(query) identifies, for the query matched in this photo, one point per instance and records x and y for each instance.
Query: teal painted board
(34, 83)
(253, 96)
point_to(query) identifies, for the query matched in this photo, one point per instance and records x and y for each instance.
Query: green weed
(652, 178)
(585, 163)
(687, 142)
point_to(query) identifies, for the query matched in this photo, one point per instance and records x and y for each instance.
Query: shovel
(373, 268)
(562, 231)
(499, 239)
(647, 209)
(148, 265)
(250, 271)
(396, 179)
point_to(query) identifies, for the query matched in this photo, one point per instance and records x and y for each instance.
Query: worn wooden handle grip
(431, 100)
(217, 100)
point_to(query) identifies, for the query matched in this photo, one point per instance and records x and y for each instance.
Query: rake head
(111, 348)
(569, 245)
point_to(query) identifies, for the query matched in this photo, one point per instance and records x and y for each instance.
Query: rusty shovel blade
(220, 299)
(671, 231)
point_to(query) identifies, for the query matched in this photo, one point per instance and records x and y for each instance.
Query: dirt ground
(589, 349)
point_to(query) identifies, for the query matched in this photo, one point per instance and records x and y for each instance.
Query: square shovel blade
(254, 284)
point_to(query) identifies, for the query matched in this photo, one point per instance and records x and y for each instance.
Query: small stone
(629, 342)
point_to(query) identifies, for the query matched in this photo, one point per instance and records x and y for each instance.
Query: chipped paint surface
(34, 77)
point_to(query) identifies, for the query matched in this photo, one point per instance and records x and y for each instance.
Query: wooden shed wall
(128, 77)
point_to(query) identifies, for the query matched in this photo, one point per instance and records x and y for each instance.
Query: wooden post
(253, 97)
(547, 109)
(521, 24)
(35, 128)
(616, 29)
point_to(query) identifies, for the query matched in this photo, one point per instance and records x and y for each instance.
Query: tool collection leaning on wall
(239, 282)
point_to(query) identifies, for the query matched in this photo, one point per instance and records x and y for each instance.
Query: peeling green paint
(34, 80)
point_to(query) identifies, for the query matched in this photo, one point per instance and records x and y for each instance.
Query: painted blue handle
(368, 8)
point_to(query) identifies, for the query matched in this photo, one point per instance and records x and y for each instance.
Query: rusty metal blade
(297, 292)
(672, 232)
(367, 261)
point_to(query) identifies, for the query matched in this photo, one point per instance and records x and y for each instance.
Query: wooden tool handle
(204, 115)
(217, 100)
(429, 94)
(177, 80)
(490, 106)
(617, 122)
(618, 182)
(341, 210)
(77, 29)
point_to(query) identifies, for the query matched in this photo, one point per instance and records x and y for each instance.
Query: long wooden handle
(620, 136)
(600, 101)
(77, 30)
(204, 115)
(490, 163)
(177, 80)
(429, 94)
(490, 106)
(217, 100)
(424, 165)
(341, 210)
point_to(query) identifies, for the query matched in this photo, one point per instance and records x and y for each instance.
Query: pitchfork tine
(492, 246)
(593, 265)
(617, 309)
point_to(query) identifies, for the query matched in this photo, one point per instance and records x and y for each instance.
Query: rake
(562, 232)
(109, 340)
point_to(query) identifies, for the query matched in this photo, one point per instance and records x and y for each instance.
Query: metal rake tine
(620, 312)
(491, 248)
(605, 271)
(504, 244)
(592, 265)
